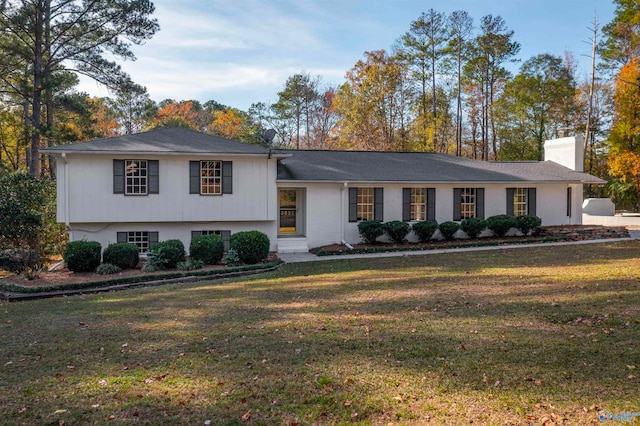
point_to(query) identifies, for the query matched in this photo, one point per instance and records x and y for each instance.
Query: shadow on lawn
(390, 341)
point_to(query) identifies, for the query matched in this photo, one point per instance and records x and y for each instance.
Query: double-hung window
(136, 177)
(210, 177)
(521, 201)
(365, 204)
(145, 240)
(418, 204)
(467, 203)
(224, 234)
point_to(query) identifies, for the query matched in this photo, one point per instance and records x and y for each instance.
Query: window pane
(136, 177)
(364, 199)
(418, 204)
(139, 238)
(211, 177)
(468, 203)
(520, 202)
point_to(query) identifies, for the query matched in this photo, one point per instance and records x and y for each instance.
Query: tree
(180, 114)
(134, 110)
(624, 139)
(295, 103)
(373, 104)
(532, 105)
(231, 123)
(423, 47)
(324, 118)
(621, 42)
(41, 38)
(489, 51)
(460, 28)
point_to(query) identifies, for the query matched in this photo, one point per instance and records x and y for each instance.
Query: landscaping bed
(546, 235)
(63, 280)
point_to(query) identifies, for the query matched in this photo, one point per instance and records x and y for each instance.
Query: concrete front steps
(293, 244)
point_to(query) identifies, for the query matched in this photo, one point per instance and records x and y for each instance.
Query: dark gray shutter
(457, 201)
(569, 202)
(531, 201)
(431, 204)
(406, 204)
(227, 177)
(154, 171)
(153, 240)
(378, 203)
(194, 177)
(121, 237)
(480, 203)
(118, 176)
(195, 234)
(226, 239)
(511, 193)
(353, 204)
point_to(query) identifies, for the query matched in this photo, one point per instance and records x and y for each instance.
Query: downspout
(345, 186)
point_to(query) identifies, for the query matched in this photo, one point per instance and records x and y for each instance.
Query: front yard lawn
(543, 335)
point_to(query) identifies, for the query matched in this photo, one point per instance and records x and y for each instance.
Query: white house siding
(325, 222)
(91, 198)
(106, 233)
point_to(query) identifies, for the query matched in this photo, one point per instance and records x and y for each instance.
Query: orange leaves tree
(624, 139)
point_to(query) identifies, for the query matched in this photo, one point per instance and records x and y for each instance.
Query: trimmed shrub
(397, 230)
(169, 253)
(473, 226)
(447, 229)
(500, 224)
(370, 230)
(122, 255)
(207, 248)
(425, 229)
(82, 256)
(251, 246)
(108, 269)
(528, 223)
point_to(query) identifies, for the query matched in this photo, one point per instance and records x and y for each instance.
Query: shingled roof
(370, 166)
(169, 140)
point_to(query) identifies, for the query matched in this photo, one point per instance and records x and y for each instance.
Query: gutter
(66, 194)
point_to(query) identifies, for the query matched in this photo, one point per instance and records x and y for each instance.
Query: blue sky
(238, 52)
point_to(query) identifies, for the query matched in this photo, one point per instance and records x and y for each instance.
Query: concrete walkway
(309, 257)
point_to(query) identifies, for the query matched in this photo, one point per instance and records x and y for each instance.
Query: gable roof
(167, 140)
(372, 166)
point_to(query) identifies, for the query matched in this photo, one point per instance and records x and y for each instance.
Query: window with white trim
(418, 204)
(468, 203)
(136, 177)
(211, 177)
(365, 203)
(520, 203)
(139, 238)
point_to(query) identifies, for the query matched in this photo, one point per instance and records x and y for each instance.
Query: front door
(288, 212)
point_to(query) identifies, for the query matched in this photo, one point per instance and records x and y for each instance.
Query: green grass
(508, 336)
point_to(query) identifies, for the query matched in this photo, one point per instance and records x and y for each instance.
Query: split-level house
(175, 183)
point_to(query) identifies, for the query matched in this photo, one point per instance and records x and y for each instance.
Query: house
(175, 183)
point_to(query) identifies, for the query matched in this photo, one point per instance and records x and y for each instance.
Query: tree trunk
(36, 104)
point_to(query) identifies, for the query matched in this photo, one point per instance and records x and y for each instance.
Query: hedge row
(371, 230)
(249, 247)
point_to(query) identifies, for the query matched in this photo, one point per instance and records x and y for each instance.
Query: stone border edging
(18, 297)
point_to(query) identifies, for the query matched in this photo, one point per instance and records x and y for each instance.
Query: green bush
(169, 253)
(447, 229)
(123, 255)
(473, 226)
(251, 246)
(528, 223)
(82, 256)
(207, 248)
(500, 224)
(232, 258)
(425, 229)
(108, 269)
(370, 230)
(190, 265)
(397, 230)
(19, 260)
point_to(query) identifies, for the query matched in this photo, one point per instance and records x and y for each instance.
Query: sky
(238, 52)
